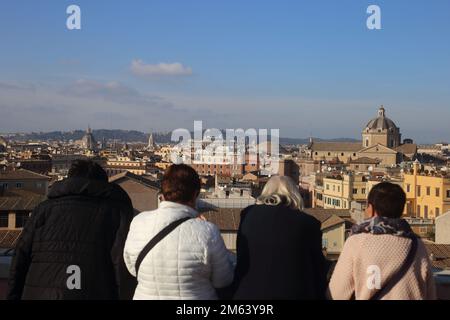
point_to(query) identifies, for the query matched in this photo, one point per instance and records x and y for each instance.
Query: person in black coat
(72, 245)
(279, 248)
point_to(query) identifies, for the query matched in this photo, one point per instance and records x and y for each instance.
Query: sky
(308, 68)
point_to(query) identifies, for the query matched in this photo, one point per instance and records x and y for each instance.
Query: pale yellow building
(120, 164)
(163, 165)
(428, 194)
(340, 191)
(164, 152)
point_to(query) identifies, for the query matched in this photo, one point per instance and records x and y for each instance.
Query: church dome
(381, 122)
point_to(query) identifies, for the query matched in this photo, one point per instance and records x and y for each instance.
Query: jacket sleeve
(342, 284)
(220, 259)
(320, 263)
(242, 254)
(125, 282)
(22, 259)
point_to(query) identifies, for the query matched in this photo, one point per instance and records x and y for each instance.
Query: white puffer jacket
(187, 264)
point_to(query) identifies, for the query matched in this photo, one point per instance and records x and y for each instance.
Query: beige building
(22, 179)
(381, 131)
(442, 233)
(327, 151)
(381, 141)
(333, 229)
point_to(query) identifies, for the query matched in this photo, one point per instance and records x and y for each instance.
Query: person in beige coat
(383, 259)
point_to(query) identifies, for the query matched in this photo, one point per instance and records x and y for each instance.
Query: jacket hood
(87, 187)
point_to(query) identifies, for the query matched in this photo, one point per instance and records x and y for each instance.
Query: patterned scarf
(383, 225)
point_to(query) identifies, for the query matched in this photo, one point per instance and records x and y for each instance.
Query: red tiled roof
(440, 254)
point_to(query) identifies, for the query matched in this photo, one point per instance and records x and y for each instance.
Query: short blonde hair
(281, 190)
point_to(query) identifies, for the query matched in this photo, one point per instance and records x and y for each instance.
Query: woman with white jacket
(191, 261)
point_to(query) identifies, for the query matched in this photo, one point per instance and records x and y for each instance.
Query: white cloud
(140, 68)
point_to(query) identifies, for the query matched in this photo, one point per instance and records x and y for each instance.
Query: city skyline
(309, 69)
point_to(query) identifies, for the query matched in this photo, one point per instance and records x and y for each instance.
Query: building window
(418, 211)
(367, 142)
(425, 212)
(334, 188)
(438, 192)
(339, 188)
(329, 153)
(19, 185)
(437, 212)
(428, 191)
(363, 190)
(328, 186)
(3, 220)
(408, 188)
(448, 193)
(355, 191)
(342, 154)
(418, 191)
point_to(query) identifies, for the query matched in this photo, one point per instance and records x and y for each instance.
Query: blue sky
(306, 67)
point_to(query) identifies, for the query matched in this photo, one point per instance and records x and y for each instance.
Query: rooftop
(337, 146)
(8, 238)
(227, 219)
(440, 255)
(21, 174)
(147, 181)
(20, 200)
(328, 217)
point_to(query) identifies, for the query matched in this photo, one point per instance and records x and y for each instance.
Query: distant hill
(133, 136)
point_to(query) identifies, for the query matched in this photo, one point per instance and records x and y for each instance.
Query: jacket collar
(87, 187)
(179, 207)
